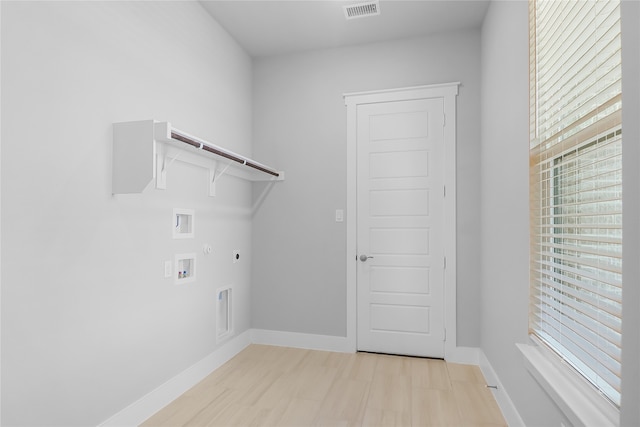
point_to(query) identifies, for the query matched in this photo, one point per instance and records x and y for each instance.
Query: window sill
(581, 403)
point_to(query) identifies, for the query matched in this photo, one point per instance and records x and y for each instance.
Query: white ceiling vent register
(361, 10)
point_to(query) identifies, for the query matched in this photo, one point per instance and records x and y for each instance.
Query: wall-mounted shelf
(144, 150)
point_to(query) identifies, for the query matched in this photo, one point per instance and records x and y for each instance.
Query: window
(576, 185)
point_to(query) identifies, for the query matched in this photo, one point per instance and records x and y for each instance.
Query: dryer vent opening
(224, 314)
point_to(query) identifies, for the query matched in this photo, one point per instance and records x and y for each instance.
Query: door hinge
(444, 191)
(445, 335)
(444, 262)
(444, 119)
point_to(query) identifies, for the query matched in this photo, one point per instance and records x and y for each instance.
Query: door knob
(364, 257)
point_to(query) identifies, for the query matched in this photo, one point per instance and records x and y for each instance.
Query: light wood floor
(277, 386)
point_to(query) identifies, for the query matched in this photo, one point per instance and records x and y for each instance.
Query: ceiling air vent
(360, 10)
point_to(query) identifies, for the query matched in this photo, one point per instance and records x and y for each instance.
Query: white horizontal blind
(575, 185)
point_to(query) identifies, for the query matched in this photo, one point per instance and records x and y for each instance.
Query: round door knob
(364, 258)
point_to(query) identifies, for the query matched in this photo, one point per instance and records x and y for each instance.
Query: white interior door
(400, 237)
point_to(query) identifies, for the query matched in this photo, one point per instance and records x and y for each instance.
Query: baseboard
(509, 411)
(299, 340)
(475, 356)
(148, 405)
(464, 355)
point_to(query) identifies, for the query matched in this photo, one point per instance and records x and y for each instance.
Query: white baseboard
(509, 411)
(145, 407)
(299, 340)
(464, 355)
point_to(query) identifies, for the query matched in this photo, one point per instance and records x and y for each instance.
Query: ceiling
(275, 27)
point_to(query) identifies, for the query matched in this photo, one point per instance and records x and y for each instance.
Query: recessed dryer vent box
(185, 270)
(224, 312)
(183, 223)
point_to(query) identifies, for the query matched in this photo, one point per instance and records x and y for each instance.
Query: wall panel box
(185, 271)
(223, 314)
(183, 223)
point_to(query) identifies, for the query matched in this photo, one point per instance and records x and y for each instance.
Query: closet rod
(217, 151)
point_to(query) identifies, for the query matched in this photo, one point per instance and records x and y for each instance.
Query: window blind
(576, 185)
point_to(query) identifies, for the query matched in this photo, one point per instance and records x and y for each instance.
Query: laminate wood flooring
(279, 386)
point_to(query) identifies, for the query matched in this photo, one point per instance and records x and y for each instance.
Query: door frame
(448, 92)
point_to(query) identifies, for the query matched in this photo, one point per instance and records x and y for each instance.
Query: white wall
(299, 270)
(89, 323)
(630, 412)
(505, 206)
(0, 216)
(505, 210)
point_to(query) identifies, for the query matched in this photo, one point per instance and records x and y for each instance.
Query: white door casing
(398, 230)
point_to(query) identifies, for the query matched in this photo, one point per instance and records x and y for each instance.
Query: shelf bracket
(161, 171)
(213, 177)
(163, 162)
